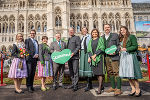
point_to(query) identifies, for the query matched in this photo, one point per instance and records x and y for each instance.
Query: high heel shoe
(98, 92)
(18, 92)
(138, 95)
(131, 94)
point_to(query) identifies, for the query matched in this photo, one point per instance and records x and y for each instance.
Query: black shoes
(54, 87)
(69, 87)
(75, 88)
(19, 92)
(138, 95)
(131, 94)
(88, 88)
(30, 90)
(98, 92)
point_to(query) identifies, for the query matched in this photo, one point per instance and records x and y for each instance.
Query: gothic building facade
(51, 16)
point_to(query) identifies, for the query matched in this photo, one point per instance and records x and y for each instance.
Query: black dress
(100, 68)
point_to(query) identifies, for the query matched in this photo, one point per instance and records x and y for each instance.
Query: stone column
(50, 21)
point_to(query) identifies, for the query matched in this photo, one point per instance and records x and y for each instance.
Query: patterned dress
(45, 62)
(15, 71)
(129, 64)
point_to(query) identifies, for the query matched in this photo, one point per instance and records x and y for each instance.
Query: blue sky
(137, 1)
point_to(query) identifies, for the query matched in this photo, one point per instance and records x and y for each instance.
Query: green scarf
(100, 46)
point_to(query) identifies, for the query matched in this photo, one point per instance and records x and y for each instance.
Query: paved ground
(7, 93)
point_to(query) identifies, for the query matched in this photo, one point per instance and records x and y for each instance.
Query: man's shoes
(118, 92)
(62, 86)
(110, 90)
(69, 87)
(30, 90)
(87, 88)
(75, 88)
(54, 87)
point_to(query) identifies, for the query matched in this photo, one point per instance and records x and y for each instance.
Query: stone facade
(51, 16)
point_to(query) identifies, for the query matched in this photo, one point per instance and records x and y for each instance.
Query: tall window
(79, 22)
(58, 19)
(127, 20)
(31, 22)
(95, 20)
(86, 20)
(104, 20)
(111, 17)
(37, 24)
(11, 24)
(72, 20)
(44, 23)
(21, 23)
(118, 22)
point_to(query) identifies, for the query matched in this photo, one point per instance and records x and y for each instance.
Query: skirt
(16, 72)
(99, 70)
(129, 66)
(46, 70)
(85, 70)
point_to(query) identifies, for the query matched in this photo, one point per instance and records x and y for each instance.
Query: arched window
(5, 24)
(86, 20)
(79, 22)
(11, 24)
(58, 19)
(104, 20)
(30, 26)
(118, 21)
(38, 26)
(44, 23)
(111, 22)
(31, 22)
(44, 26)
(72, 20)
(95, 20)
(127, 20)
(21, 23)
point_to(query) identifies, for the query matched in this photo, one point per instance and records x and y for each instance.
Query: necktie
(59, 45)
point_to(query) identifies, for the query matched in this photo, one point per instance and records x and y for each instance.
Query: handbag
(20, 65)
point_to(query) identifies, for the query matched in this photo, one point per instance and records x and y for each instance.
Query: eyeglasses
(32, 33)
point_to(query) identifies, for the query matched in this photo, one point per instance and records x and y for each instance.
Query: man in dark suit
(58, 46)
(74, 45)
(31, 46)
(112, 60)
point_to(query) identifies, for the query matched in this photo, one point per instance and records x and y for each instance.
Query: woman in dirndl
(44, 63)
(95, 50)
(85, 69)
(129, 64)
(18, 68)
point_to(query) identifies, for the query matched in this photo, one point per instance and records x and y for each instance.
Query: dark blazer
(132, 45)
(113, 40)
(15, 51)
(44, 53)
(55, 46)
(30, 48)
(74, 44)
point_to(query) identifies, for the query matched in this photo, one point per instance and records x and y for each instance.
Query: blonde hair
(17, 37)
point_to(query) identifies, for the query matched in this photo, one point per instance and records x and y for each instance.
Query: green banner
(61, 57)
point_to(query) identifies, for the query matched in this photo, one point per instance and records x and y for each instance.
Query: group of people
(90, 50)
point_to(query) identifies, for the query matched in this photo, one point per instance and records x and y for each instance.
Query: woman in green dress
(85, 69)
(96, 57)
(129, 64)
